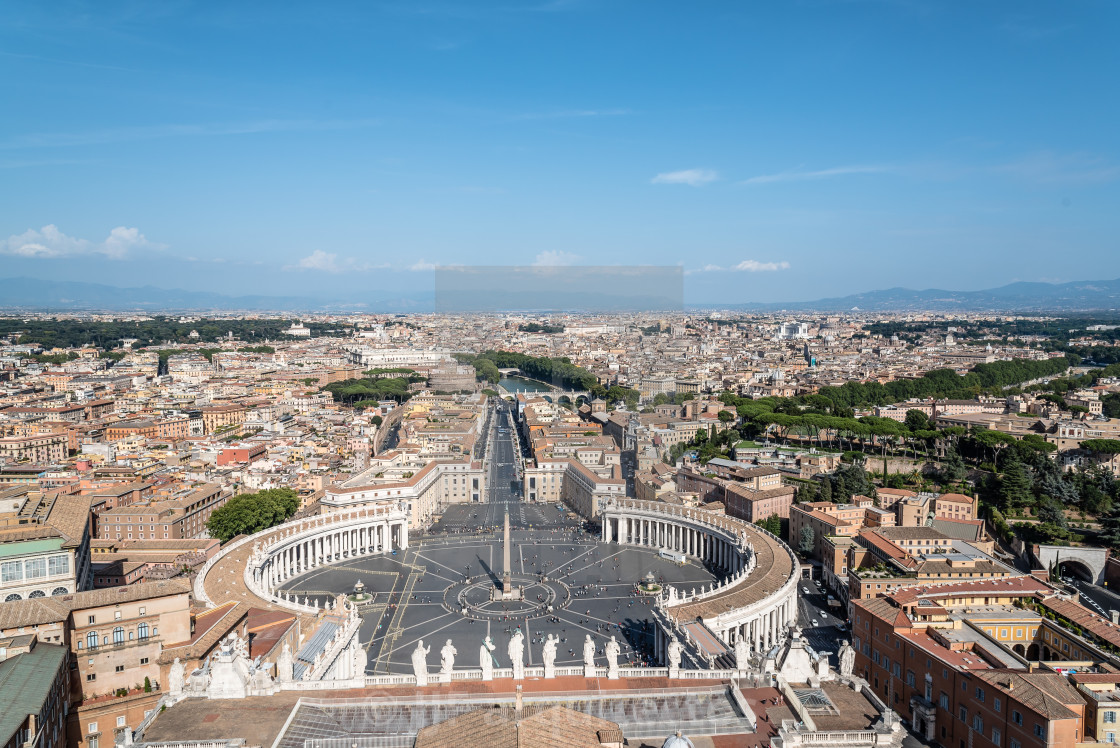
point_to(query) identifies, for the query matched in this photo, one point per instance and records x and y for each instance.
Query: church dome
(677, 741)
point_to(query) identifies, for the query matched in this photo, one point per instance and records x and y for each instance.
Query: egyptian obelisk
(507, 570)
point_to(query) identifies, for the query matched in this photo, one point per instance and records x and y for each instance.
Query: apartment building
(750, 493)
(182, 516)
(929, 656)
(41, 449)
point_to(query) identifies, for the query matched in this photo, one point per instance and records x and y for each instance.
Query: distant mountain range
(1075, 296)
(33, 294)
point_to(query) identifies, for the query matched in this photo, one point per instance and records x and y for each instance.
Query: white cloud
(555, 258)
(422, 266)
(49, 243)
(798, 175)
(330, 262)
(746, 266)
(754, 266)
(691, 177)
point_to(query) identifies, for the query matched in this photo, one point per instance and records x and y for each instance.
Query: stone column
(404, 535)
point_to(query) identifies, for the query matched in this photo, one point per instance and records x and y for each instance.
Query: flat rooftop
(643, 706)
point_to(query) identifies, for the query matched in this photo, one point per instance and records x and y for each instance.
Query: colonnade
(728, 543)
(306, 553)
(705, 544)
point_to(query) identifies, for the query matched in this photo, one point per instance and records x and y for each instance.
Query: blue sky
(778, 151)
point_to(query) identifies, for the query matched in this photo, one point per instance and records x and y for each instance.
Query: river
(521, 384)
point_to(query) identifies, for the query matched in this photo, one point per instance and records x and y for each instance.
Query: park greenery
(368, 391)
(536, 327)
(247, 513)
(72, 333)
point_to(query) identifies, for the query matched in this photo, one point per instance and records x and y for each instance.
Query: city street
(825, 634)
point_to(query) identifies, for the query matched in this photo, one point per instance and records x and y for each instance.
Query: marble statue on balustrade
(588, 657)
(612, 650)
(516, 651)
(447, 661)
(486, 659)
(847, 659)
(176, 677)
(549, 655)
(673, 652)
(285, 664)
(742, 654)
(260, 679)
(229, 670)
(361, 659)
(420, 663)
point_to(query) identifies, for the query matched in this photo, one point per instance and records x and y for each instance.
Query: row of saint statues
(516, 652)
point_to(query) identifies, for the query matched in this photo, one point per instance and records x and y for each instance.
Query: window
(1110, 737)
(116, 615)
(995, 735)
(1013, 743)
(120, 722)
(944, 700)
(1038, 730)
(143, 660)
(91, 676)
(978, 723)
(1016, 717)
(142, 631)
(979, 693)
(963, 714)
(11, 571)
(1110, 716)
(143, 611)
(92, 619)
(996, 704)
(58, 565)
(92, 728)
(118, 635)
(35, 568)
(91, 640)
(119, 669)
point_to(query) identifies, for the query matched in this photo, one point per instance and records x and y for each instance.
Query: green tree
(1014, 486)
(916, 420)
(808, 540)
(248, 513)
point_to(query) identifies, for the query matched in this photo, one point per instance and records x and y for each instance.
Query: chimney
(32, 730)
(517, 702)
(1115, 615)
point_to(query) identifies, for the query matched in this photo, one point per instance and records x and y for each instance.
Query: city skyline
(779, 154)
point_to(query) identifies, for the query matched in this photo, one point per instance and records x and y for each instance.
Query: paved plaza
(415, 592)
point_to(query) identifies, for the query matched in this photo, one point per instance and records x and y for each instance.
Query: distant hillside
(36, 294)
(1015, 297)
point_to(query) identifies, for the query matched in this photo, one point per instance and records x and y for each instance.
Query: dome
(677, 741)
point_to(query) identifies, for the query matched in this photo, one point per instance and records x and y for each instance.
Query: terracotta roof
(1046, 694)
(1099, 627)
(959, 498)
(34, 612)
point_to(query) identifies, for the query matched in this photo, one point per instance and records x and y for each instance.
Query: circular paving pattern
(539, 596)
